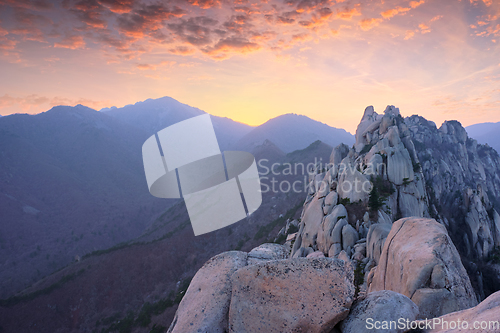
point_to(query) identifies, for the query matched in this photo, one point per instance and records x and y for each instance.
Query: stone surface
(313, 216)
(266, 252)
(205, 306)
(316, 254)
(325, 233)
(353, 185)
(349, 236)
(384, 305)
(376, 239)
(414, 248)
(295, 295)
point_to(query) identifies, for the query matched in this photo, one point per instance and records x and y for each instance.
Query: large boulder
(420, 261)
(295, 295)
(205, 305)
(487, 314)
(382, 306)
(266, 252)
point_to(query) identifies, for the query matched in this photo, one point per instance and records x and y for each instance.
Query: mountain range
(73, 181)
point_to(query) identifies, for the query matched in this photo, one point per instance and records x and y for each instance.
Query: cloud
(409, 34)
(401, 10)
(369, 23)
(89, 12)
(303, 37)
(118, 6)
(147, 19)
(154, 67)
(195, 30)
(231, 45)
(182, 50)
(25, 102)
(264, 35)
(307, 6)
(205, 4)
(28, 4)
(35, 103)
(347, 14)
(288, 18)
(424, 28)
(393, 12)
(71, 42)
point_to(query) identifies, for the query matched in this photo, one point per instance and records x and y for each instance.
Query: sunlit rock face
(420, 261)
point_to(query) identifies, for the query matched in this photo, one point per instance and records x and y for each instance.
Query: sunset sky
(254, 60)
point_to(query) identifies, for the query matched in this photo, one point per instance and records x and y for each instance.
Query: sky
(253, 60)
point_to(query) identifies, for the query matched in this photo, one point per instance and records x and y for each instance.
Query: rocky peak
(410, 169)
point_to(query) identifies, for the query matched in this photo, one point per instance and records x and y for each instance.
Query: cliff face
(410, 168)
(463, 182)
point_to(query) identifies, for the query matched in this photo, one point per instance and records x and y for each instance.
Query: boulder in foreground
(205, 305)
(420, 261)
(296, 295)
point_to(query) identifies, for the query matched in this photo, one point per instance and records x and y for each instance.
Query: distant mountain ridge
(153, 115)
(288, 132)
(292, 132)
(486, 133)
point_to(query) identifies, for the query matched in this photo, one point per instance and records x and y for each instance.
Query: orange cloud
(347, 14)
(393, 12)
(401, 10)
(367, 24)
(424, 28)
(231, 45)
(72, 42)
(118, 6)
(303, 37)
(409, 34)
(7, 44)
(415, 4)
(205, 4)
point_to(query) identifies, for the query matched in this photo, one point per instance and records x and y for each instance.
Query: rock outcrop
(267, 252)
(420, 261)
(483, 318)
(382, 306)
(463, 182)
(205, 305)
(297, 295)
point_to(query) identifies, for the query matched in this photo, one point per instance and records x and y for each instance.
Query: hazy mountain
(486, 133)
(72, 181)
(153, 115)
(291, 132)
